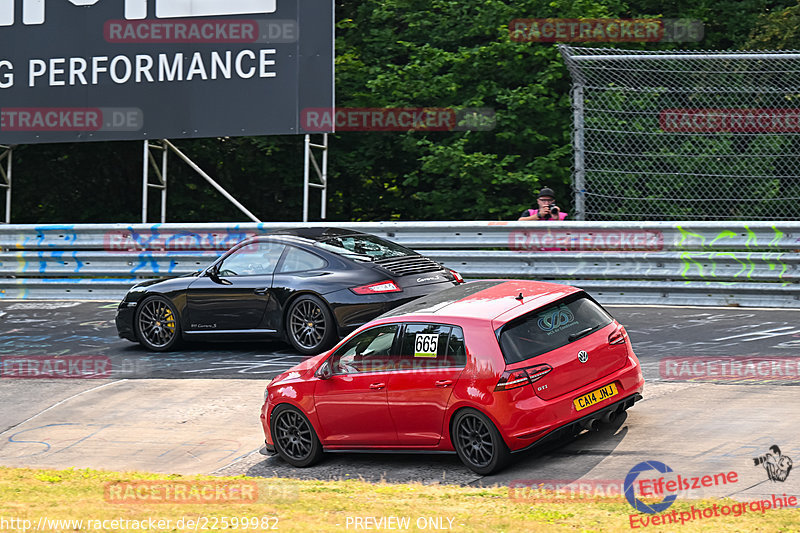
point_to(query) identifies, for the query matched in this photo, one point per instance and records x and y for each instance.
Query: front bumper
(267, 449)
(124, 321)
(269, 446)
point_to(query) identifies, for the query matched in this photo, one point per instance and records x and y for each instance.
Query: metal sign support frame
(148, 160)
(5, 174)
(322, 174)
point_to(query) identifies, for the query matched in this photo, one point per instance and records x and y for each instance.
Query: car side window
(432, 346)
(369, 351)
(254, 259)
(297, 260)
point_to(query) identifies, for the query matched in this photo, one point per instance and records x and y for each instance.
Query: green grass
(304, 506)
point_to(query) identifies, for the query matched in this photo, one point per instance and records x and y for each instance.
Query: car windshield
(364, 247)
(543, 330)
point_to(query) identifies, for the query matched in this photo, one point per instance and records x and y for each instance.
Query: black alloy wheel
(478, 443)
(157, 325)
(310, 326)
(294, 437)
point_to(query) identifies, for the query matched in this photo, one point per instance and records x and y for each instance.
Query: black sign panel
(101, 70)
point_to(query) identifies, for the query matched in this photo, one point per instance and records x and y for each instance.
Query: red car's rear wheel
(478, 443)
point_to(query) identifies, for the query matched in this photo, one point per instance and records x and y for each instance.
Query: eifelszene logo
(667, 485)
(638, 504)
(776, 464)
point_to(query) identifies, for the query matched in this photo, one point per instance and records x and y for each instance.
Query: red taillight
(377, 288)
(457, 276)
(511, 379)
(618, 336)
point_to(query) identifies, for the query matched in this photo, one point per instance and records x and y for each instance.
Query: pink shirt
(561, 216)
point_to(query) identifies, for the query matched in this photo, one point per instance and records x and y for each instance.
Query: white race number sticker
(426, 344)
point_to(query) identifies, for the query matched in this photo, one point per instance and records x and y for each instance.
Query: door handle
(444, 383)
(377, 386)
(261, 291)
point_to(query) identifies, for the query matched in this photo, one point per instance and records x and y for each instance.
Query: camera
(554, 210)
(759, 460)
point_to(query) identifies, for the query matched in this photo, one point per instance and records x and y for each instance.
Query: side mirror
(324, 371)
(213, 273)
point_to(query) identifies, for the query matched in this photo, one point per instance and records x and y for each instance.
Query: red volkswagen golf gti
(485, 370)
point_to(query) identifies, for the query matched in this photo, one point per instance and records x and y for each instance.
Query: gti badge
(583, 356)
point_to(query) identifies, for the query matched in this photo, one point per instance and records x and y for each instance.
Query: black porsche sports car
(310, 286)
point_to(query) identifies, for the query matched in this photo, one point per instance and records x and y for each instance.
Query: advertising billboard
(102, 70)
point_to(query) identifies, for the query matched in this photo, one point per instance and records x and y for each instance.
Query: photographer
(547, 210)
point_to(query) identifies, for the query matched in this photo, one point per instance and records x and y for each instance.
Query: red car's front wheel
(294, 437)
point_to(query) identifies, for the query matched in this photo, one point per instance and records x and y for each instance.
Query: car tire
(157, 324)
(310, 326)
(478, 443)
(294, 437)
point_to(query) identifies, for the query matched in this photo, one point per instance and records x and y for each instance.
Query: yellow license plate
(597, 396)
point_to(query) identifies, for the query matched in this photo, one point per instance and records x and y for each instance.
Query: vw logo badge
(583, 356)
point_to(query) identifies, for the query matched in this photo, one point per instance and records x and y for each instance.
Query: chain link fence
(677, 135)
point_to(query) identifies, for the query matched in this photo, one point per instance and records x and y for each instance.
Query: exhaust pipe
(610, 416)
(592, 424)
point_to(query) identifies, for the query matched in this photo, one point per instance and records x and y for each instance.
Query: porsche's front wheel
(156, 323)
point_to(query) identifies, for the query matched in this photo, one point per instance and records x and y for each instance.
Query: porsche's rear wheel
(157, 325)
(310, 326)
(294, 437)
(478, 443)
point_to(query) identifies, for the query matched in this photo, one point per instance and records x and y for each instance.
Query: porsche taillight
(377, 288)
(519, 377)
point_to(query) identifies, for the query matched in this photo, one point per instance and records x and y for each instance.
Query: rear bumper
(535, 418)
(354, 310)
(569, 430)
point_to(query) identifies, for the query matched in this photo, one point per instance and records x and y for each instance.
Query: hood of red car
(300, 370)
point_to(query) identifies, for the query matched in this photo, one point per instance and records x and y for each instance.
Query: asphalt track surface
(196, 410)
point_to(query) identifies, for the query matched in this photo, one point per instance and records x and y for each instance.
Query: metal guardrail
(697, 263)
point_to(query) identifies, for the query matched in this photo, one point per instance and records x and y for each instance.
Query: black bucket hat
(547, 192)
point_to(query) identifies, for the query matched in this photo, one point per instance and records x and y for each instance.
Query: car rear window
(551, 327)
(364, 247)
